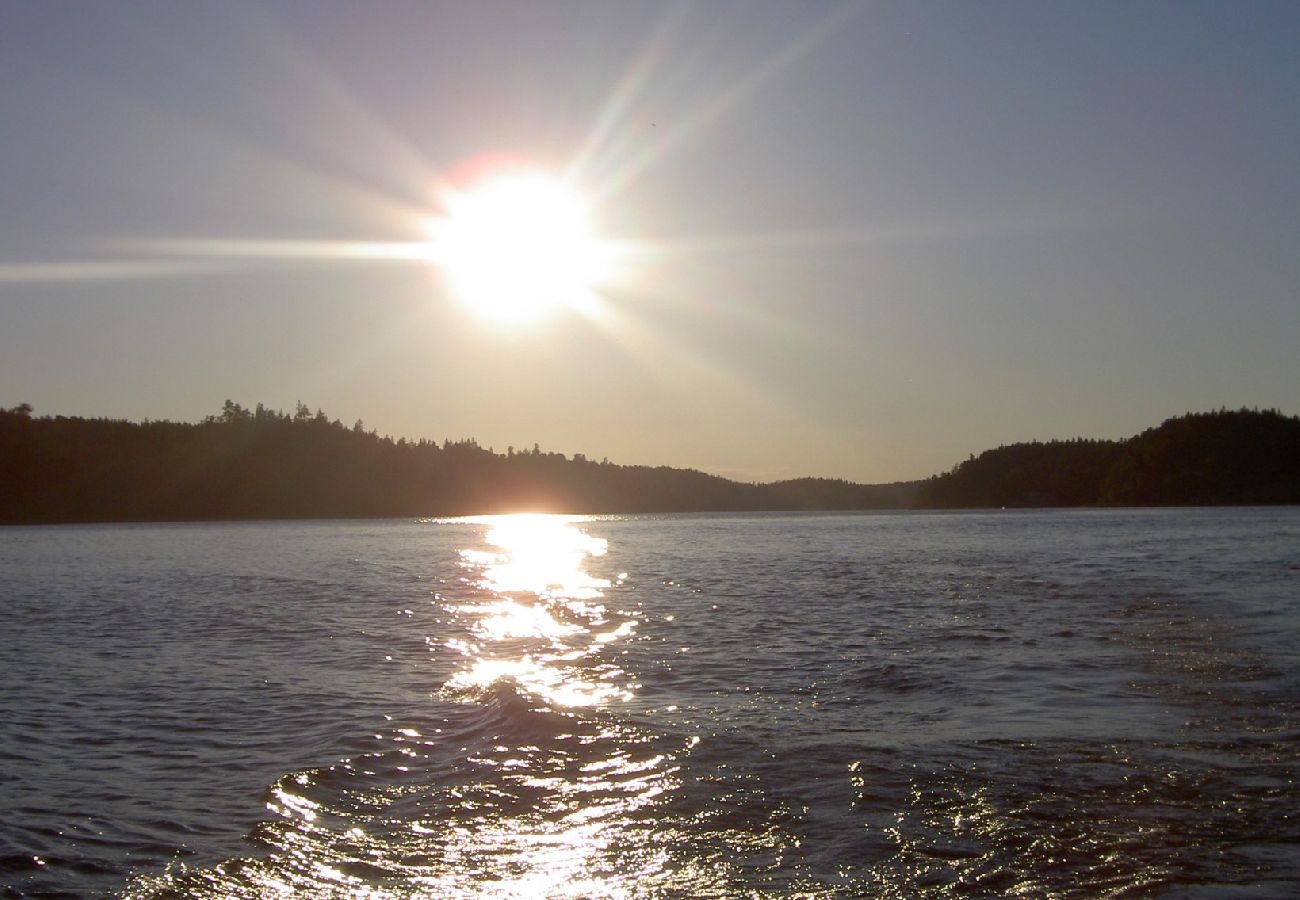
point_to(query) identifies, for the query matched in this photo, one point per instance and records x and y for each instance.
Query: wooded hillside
(1200, 459)
(245, 464)
(265, 464)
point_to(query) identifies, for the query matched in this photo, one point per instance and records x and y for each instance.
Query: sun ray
(286, 250)
(615, 111)
(407, 172)
(549, 252)
(93, 270)
(683, 127)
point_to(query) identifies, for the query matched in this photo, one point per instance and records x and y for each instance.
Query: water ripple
(1039, 704)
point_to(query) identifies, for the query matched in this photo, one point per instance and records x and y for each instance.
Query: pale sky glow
(770, 239)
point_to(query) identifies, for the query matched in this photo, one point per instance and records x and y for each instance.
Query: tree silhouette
(1241, 457)
(267, 464)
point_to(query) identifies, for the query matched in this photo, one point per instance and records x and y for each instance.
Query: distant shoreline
(717, 513)
(259, 465)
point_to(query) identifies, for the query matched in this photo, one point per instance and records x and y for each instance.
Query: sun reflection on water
(536, 781)
(538, 554)
(540, 626)
(536, 615)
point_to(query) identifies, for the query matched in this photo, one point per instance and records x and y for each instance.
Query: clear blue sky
(875, 238)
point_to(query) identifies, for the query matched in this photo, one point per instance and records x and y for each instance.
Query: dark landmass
(263, 464)
(255, 464)
(1241, 457)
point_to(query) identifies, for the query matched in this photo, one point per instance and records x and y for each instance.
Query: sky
(854, 240)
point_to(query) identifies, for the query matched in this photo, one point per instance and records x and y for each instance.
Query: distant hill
(245, 464)
(255, 464)
(1200, 459)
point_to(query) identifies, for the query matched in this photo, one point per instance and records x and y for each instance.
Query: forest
(1240, 457)
(258, 463)
(263, 464)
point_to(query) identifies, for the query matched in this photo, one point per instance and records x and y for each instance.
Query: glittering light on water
(558, 686)
(508, 619)
(539, 554)
(533, 586)
(552, 797)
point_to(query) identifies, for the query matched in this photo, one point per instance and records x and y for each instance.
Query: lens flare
(517, 243)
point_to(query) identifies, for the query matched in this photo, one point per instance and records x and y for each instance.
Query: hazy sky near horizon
(870, 239)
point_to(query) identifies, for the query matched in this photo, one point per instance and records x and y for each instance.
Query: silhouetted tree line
(1200, 459)
(260, 463)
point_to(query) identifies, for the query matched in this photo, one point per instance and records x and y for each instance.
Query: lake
(1044, 703)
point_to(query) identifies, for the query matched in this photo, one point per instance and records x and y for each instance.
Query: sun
(515, 244)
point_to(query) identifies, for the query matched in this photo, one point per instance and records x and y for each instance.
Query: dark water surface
(1042, 704)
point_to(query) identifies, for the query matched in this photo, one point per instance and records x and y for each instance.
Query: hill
(251, 464)
(1200, 459)
(256, 464)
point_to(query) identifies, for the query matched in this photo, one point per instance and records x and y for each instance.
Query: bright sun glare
(516, 244)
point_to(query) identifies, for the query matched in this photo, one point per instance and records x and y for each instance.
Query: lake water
(1042, 703)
